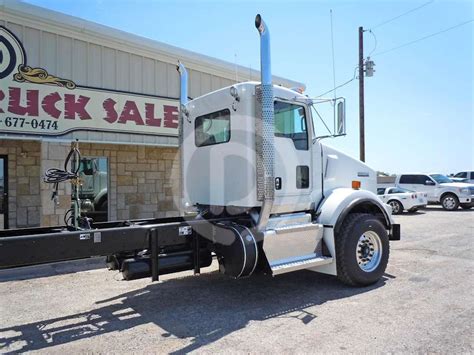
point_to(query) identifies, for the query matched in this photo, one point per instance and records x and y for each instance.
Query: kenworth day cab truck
(269, 198)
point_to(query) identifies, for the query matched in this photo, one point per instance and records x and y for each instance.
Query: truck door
(293, 168)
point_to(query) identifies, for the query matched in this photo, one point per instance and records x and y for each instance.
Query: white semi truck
(267, 196)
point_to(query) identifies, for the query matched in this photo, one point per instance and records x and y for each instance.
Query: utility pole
(361, 96)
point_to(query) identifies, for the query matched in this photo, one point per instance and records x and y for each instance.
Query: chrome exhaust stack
(183, 91)
(183, 112)
(264, 128)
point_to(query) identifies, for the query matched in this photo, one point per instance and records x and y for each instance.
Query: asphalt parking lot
(423, 304)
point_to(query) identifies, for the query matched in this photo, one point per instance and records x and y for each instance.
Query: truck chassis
(137, 247)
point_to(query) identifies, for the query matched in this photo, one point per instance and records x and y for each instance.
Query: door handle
(278, 183)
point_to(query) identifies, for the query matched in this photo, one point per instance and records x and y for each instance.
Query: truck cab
(463, 176)
(220, 158)
(93, 187)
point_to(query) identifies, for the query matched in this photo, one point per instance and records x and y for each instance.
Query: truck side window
(302, 177)
(408, 179)
(414, 179)
(422, 179)
(290, 122)
(213, 128)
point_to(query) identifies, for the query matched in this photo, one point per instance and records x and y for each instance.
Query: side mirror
(429, 182)
(341, 118)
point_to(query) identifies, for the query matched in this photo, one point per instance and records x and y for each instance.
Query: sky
(419, 113)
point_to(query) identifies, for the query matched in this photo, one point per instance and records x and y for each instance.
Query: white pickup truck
(440, 189)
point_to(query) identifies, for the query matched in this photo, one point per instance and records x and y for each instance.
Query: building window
(213, 128)
(93, 191)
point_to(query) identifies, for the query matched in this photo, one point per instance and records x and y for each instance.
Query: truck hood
(340, 169)
(459, 185)
(458, 179)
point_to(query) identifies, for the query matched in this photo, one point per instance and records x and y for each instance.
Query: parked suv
(463, 176)
(439, 189)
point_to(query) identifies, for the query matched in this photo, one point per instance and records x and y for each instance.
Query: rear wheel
(103, 205)
(397, 207)
(465, 206)
(450, 202)
(362, 250)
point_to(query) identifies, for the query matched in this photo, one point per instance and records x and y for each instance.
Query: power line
(337, 87)
(401, 15)
(340, 86)
(423, 38)
(375, 44)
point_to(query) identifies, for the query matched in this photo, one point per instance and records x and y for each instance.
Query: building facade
(65, 80)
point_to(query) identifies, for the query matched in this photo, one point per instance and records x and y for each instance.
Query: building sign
(33, 101)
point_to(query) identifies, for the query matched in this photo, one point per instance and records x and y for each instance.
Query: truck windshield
(440, 179)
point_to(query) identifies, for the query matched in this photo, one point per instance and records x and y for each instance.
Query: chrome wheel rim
(369, 251)
(395, 207)
(449, 203)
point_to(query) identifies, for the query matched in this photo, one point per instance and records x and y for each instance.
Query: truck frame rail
(33, 246)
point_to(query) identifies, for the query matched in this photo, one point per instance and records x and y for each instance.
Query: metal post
(155, 274)
(361, 96)
(75, 186)
(197, 254)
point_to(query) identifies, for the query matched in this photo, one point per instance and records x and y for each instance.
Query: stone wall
(143, 181)
(24, 202)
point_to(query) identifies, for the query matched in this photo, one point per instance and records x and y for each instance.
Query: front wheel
(362, 250)
(450, 202)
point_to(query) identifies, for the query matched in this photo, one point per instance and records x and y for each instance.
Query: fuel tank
(140, 267)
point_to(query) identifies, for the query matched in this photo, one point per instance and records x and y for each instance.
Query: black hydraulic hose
(55, 175)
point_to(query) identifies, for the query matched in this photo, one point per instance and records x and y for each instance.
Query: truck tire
(397, 207)
(362, 250)
(466, 206)
(450, 202)
(103, 205)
